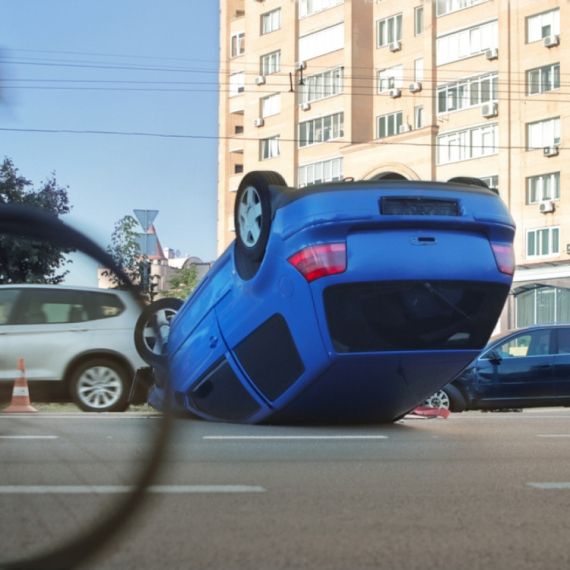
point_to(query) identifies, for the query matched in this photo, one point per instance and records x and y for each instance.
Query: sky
(118, 98)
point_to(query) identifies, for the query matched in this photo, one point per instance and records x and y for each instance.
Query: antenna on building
(291, 82)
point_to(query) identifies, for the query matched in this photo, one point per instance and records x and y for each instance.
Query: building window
(470, 143)
(543, 133)
(317, 172)
(543, 243)
(237, 83)
(270, 147)
(542, 25)
(388, 125)
(271, 21)
(419, 69)
(238, 129)
(321, 85)
(321, 130)
(419, 21)
(447, 6)
(419, 117)
(543, 187)
(271, 63)
(238, 168)
(390, 78)
(466, 43)
(309, 7)
(271, 105)
(389, 30)
(237, 44)
(467, 93)
(491, 181)
(543, 79)
(319, 43)
(544, 305)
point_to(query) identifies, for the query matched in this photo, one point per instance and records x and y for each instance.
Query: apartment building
(322, 90)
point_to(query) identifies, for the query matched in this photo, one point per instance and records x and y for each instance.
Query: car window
(563, 341)
(7, 301)
(51, 306)
(534, 343)
(103, 305)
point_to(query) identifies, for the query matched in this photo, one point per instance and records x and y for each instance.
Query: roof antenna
(291, 82)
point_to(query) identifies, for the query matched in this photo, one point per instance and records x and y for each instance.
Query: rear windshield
(412, 315)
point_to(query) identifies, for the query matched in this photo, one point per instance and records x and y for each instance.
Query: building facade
(322, 90)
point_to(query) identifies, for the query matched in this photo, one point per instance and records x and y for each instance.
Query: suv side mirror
(495, 356)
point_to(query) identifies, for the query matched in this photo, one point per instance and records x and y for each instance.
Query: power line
(340, 141)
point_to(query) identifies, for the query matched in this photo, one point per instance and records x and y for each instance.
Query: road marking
(554, 435)
(549, 485)
(115, 489)
(290, 437)
(29, 436)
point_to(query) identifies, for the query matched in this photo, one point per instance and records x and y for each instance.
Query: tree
(182, 282)
(29, 261)
(126, 252)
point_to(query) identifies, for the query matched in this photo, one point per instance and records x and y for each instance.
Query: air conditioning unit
(305, 106)
(405, 128)
(260, 80)
(395, 46)
(258, 122)
(415, 87)
(489, 110)
(492, 53)
(550, 150)
(394, 93)
(551, 41)
(546, 207)
(300, 65)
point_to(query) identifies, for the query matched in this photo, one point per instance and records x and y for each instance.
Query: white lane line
(549, 485)
(291, 437)
(553, 435)
(115, 489)
(29, 436)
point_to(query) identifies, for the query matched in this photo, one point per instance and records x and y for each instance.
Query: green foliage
(182, 282)
(126, 252)
(23, 260)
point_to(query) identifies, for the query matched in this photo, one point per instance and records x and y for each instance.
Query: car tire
(448, 398)
(151, 330)
(100, 385)
(253, 212)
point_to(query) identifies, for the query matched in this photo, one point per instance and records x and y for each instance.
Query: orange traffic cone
(20, 395)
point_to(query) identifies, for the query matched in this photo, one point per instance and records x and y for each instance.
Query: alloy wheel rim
(156, 331)
(250, 216)
(99, 387)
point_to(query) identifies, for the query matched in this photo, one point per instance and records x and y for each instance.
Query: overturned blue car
(344, 302)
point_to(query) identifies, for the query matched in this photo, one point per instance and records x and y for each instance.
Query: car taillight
(505, 257)
(320, 260)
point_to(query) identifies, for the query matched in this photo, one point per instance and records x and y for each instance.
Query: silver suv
(77, 343)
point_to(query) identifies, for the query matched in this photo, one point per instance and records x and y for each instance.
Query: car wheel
(253, 212)
(438, 400)
(100, 385)
(152, 328)
(448, 398)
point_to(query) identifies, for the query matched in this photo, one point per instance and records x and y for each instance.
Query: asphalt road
(478, 490)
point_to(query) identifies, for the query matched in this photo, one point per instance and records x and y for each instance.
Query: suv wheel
(100, 385)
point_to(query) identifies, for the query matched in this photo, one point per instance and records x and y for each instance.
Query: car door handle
(213, 342)
(545, 365)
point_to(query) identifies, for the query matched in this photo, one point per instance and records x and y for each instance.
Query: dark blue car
(525, 368)
(340, 302)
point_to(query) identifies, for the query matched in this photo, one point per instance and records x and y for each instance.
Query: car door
(8, 360)
(561, 365)
(517, 372)
(47, 330)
